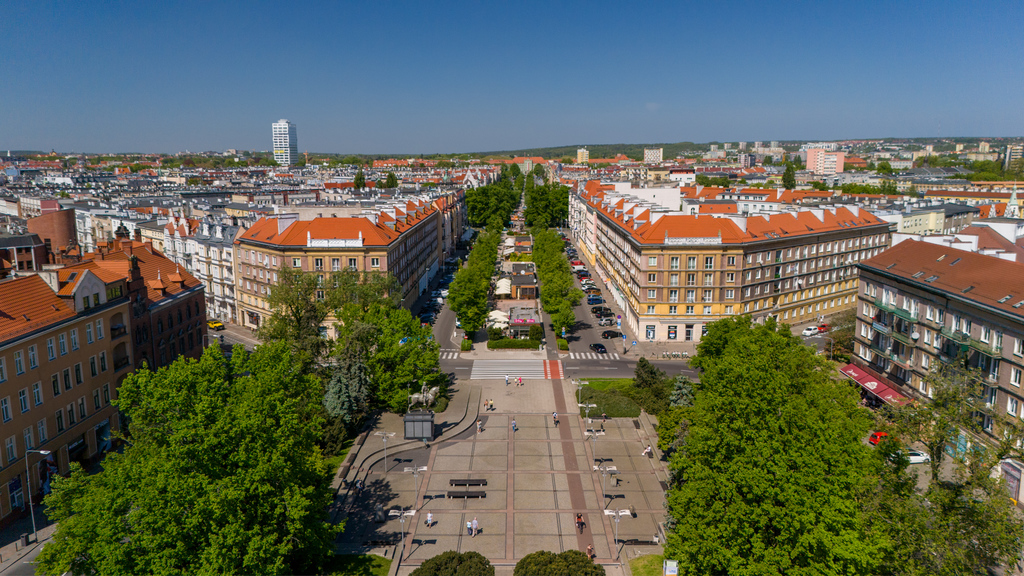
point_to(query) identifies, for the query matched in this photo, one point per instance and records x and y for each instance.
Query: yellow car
(215, 324)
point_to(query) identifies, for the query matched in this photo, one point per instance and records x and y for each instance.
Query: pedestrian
(513, 425)
(476, 527)
(590, 551)
(647, 451)
(492, 404)
(469, 528)
(506, 379)
(520, 380)
(479, 426)
(554, 418)
(430, 519)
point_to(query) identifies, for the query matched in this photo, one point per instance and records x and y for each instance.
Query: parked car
(877, 437)
(592, 291)
(604, 314)
(609, 321)
(599, 348)
(597, 309)
(609, 334)
(595, 300)
(822, 328)
(809, 331)
(577, 263)
(214, 324)
(917, 457)
(427, 318)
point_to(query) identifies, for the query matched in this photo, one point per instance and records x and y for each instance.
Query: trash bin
(24, 540)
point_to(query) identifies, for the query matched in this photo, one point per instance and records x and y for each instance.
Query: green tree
(568, 563)
(301, 303)
(821, 186)
(650, 387)
(884, 167)
(360, 180)
(391, 181)
(774, 467)
(451, 563)
(221, 475)
(842, 332)
(789, 177)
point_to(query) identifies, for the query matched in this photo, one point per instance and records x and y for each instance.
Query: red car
(822, 328)
(877, 437)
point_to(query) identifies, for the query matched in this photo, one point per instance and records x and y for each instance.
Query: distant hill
(635, 151)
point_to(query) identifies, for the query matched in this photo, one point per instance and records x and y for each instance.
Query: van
(578, 267)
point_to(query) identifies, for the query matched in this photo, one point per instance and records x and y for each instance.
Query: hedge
(466, 345)
(513, 344)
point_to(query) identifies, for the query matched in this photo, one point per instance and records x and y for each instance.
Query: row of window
(74, 412)
(52, 347)
(97, 364)
(318, 263)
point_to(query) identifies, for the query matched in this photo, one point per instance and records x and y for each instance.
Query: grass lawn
(612, 402)
(649, 565)
(357, 565)
(609, 383)
(335, 461)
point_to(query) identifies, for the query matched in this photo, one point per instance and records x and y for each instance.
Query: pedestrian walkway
(592, 356)
(498, 369)
(449, 354)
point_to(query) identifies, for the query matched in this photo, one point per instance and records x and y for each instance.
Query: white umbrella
(498, 315)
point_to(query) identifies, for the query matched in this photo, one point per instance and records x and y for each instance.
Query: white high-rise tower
(286, 143)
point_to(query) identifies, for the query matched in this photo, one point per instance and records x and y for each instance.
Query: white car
(918, 457)
(809, 331)
(444, 293)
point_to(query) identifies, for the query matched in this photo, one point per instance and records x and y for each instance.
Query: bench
(638, 542)
(467, 494)
(467, 482)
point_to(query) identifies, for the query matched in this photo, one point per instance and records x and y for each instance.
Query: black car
(599, 348)
(597, 309)
(600, 315)
(609, 334)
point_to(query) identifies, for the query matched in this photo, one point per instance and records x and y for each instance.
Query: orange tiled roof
(27, 304)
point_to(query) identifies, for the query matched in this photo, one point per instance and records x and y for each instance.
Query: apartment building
(63, 352)
(673, 273)
(213, 264)
(402, 240)
(825, 162)
(921, 304)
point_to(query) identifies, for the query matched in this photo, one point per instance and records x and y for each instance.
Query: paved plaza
(537, 479)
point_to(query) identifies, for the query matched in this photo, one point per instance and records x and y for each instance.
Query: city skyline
(378, 79)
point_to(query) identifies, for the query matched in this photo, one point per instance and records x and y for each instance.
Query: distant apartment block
(1013, 152)
(825, 162)
(286, 143)
(582, 155)
(653, 155)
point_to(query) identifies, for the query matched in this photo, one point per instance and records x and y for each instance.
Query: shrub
(568, 563)
(536, 332)
(494, 333)
(466, 345)
(563, 344)
(510, 343)
(451, 563)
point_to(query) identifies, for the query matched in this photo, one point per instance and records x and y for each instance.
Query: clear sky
(378, 76)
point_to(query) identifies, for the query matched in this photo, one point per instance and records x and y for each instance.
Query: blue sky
(424, 77)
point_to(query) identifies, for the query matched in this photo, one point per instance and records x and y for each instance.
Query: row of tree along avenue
(469, 290)
(224, 469)
(491, 206)
(771, 472)
(558, 292)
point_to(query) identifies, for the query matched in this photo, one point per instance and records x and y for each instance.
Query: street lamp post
(831, 346)
(416, 474)
(28, 487)
(384, 434)
(586, 408)
(593, 438)
(616, 514)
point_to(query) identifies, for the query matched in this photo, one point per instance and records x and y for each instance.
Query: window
(296, 262)
(81, 408)
(731, 260)
(33, 358)
(652, 261)
(103, 361)
(27, 434)
(62, 340)
(673, 309)
(1018, 346)
(335, 264)
(19, 363)
(92, 366)
(67, 379)
(652, 278)
(1011, 406)
(12, 450)
(23, 399)
(709, 262)
(650, 309)
(41, 429)
(88, 333)
(37, 393)
(55, 380)
(691, 262)
(707, 310)
(730, 294)
(673, 295)
(78, 374)
(1015, 377)
(5, 408)
(351, 263)
(689, 309)
(72, 420)
(375, 262)
(651, 294)
(728, 309)
(730, 277)
(709, 279)
(673, 280)
(50, 353)
(674, 263)
(74, 338)
(96, 400)
(706, 297)
(59, 417)
(106, 394)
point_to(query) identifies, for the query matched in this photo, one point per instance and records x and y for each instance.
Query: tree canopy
(221, 474)
(789, 177)
(492, 205)
(451, 563)
(558, 293)
(568, 563)
(468, 292)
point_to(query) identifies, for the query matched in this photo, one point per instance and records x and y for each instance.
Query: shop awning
(468, 235)
(503, 287)
(870, 383)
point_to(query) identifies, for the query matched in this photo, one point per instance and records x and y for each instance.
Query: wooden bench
(467, 482)
(467, 494)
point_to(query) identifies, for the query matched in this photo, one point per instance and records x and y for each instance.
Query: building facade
(286, 143)
(826, 162)
(61, 360)
(922, 304)
(212, 249)
(653, 155)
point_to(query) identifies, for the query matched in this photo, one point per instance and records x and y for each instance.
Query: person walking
(513, 425)
(590, 551)
(492, 404)
(430, 519)
(520, 380)
(554, 418)
(506, 379)
(469, 528)
(476, 527)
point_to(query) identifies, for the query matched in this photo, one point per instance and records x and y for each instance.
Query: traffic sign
(563, 331)
(634, 342)
(623, 337)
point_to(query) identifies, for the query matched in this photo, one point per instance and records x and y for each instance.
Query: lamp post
(384, 434)
(416, 474)
(616, 514)
(28, 487)
(831, 346)
(402, 513)
(593, 438)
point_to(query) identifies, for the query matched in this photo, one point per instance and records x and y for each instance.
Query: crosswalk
(449, 354)
(526, 369)
(592, 356)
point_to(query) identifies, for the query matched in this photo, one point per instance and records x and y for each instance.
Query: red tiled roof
(27, 304)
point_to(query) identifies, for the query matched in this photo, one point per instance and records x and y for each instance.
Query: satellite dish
(915, 335)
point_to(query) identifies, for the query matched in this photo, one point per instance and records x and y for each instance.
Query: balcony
(118, 330)
(955, 335)
(985, 348)
(879, 327)
(901, 337)
(121, 363)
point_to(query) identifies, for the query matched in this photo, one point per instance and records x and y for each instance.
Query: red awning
(870, 383)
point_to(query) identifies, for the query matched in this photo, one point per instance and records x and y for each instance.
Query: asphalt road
(26, 565)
